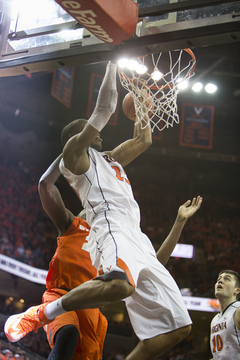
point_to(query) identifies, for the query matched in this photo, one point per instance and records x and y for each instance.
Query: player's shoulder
(236, 315)
(83, 225)
(235, 306)
(80, 221)
(78, 226)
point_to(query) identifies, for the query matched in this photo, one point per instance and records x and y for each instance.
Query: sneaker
(19, 325)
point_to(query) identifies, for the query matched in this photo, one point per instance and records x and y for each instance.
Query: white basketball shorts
(117, 244)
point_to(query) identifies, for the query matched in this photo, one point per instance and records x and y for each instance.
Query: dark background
(31, 121)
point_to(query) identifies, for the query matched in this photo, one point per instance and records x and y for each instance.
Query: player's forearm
(132, 148)
(106, 100)
(166, 249)
(143, 136)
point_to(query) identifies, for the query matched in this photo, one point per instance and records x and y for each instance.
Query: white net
(164, 76)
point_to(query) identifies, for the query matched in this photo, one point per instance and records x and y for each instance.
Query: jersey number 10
(217, 343)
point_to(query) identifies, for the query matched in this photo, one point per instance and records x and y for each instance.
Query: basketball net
(162, 88)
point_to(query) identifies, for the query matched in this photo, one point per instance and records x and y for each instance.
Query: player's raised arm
(185, 211)
(74, 152)
(142, 139)
(51, 198)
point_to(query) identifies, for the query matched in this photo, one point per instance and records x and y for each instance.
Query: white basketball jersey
(225, 336)
(104, 187)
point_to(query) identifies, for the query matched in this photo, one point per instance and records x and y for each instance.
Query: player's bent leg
(96, 293)
(150, 349)
(90, 295)
(65, 343)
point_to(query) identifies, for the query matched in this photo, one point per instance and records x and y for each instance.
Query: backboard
(39, 35)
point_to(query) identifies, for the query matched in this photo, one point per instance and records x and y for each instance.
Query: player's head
(73, 128)
(228, 284)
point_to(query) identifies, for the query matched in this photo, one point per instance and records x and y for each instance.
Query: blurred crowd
(25, 228)
(10, 351)
(28, 235)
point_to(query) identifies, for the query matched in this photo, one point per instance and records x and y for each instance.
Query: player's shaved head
(71, 129)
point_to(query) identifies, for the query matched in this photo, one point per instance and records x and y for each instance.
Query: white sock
(54, 309)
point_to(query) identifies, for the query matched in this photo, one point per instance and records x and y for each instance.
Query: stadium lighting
(182, 84)
(141, 69)
(122, 63)
(132, 64)
(197, 87)
(156, 75)
(210, 88)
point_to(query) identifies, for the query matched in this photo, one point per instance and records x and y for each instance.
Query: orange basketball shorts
(91, 325)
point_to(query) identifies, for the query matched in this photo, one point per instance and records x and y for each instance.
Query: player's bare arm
(141, 141)
(51, 198)
(236, 318)
(132, 148)
(185, 211)
(75, 151)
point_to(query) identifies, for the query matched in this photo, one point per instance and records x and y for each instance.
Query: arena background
(31, 120)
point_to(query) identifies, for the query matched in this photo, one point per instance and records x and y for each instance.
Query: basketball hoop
(163, 83)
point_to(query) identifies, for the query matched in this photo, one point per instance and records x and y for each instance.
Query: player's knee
(121, 288)
(185, 331)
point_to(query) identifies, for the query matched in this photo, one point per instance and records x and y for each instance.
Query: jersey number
(118, 174)
(217, 343)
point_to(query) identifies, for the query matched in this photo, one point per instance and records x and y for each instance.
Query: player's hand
(137, 85)
(186, 210)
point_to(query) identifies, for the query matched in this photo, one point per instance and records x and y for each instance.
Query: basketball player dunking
(125, 258)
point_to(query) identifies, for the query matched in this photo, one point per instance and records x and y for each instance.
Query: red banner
(62, 85)
(111, 21)
(197, 126)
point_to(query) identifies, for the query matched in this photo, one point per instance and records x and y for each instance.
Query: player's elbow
(147, 143)
(43, 185)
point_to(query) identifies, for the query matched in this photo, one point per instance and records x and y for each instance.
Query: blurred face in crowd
(8, 355)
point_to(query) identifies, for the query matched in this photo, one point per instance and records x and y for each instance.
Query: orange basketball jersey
(70, 265)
